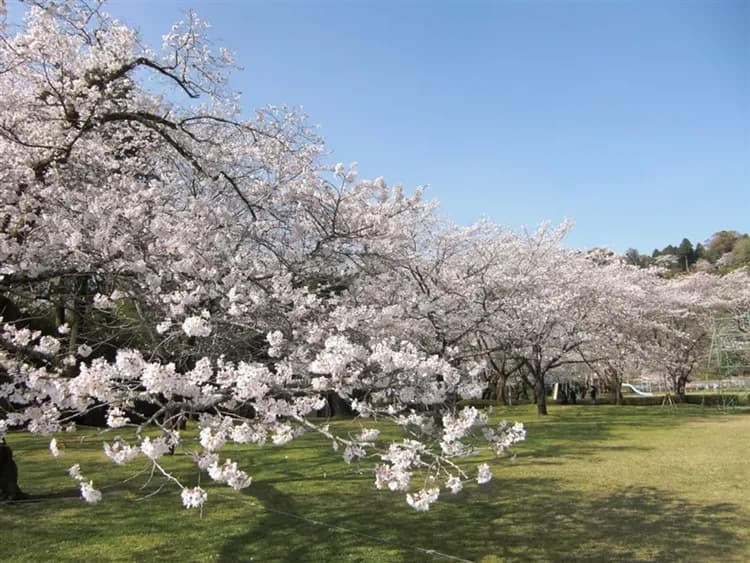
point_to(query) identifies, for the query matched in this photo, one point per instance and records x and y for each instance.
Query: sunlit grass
(591, 483)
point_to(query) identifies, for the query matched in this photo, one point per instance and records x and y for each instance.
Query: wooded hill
(723, 251)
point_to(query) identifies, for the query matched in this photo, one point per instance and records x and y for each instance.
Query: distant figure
(8, 474)
(563, 395)
(593, 393)
(573, 393)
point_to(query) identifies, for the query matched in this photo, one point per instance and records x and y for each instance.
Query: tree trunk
(77, 313)
(678, 385)
(540, 395)
(618, 394)
(679, 388)
(500, 389)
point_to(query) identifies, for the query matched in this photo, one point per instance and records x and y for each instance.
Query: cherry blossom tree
(524, 304)
(682, 313)
(680, 343)
(442, 302)
(553, 307)
(734, 291)
(173, 254)
(623, 340)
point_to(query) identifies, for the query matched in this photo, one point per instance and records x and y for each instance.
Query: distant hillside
(723, 251)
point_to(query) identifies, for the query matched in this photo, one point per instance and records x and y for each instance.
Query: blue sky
(630, 117)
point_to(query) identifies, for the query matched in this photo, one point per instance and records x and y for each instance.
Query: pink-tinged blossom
(75, 472)
(201, 373)
(53, 448)
(120, 451)
(89, 493)
(130, 364)
(484, 475)
(283, 434)
(48, 345)
(354, 453)
(275, 340)
(457, 449)
(116, 417)
(246, 433)
(204, 460)
(213, 439)
(454, 484)
(194, 497)
(368, 435)
(392, 477)
(230, 474)
(196, 326)
(456, 427)
(156, 448)
(422, 499)
(43, 420)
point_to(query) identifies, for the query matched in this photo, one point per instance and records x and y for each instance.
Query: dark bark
(335, 405)
(8, 310)
(618, 394)
(680, 383)
(501, 388)
(540, 395)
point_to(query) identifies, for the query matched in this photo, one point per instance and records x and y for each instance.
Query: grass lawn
(592, 483)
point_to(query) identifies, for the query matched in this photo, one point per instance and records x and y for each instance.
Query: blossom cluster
(88, 492)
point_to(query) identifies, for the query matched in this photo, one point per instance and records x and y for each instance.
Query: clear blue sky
(631, 117)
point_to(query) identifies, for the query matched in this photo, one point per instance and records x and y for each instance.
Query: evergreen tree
(700, 252)
(686, 254)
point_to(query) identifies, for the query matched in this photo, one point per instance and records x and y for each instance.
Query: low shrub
(639, 400)
(720, 399)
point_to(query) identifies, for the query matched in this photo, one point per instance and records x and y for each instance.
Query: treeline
(723, 251)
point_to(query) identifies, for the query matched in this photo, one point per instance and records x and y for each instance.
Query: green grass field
(592, 483)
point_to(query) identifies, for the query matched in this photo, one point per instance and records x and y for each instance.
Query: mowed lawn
(592, 483)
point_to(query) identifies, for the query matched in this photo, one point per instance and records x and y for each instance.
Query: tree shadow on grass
(313, 527)
(628, 524)
(554, 441)
(526, 520)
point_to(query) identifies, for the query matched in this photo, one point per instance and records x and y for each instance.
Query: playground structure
(729, 353)
(663, 389)
(637, 391)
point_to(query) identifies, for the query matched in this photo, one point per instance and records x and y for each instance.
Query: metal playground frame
(729, 353)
